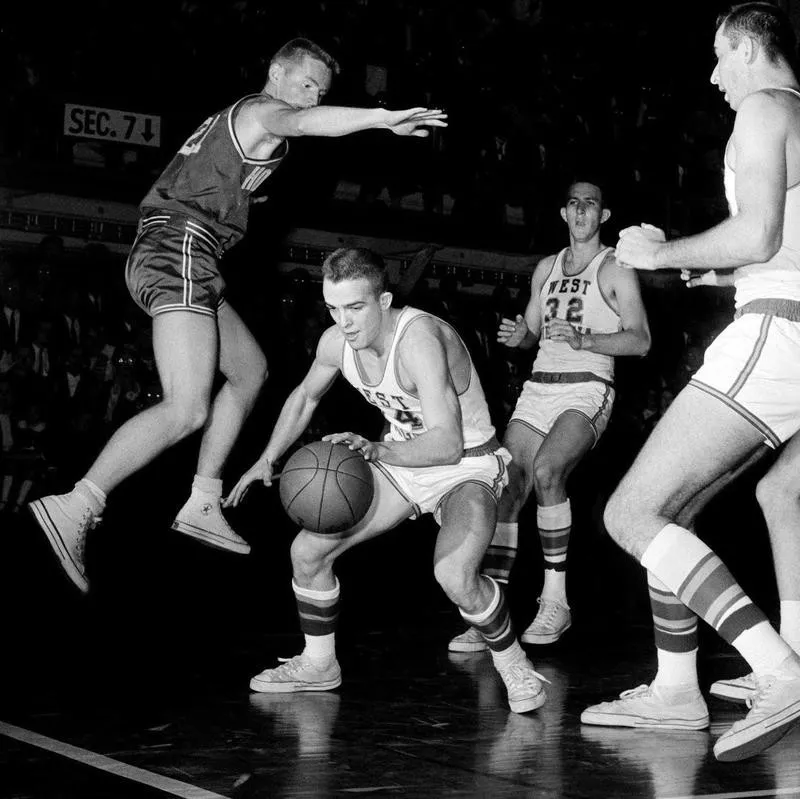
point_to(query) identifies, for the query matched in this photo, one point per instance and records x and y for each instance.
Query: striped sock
(502, 551)
(494, 623)
(318, 611)
(555, 523)
(675, 628)
(701, 581)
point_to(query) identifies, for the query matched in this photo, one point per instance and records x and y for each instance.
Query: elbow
(644, 344)
(451, 452)
(766, 245)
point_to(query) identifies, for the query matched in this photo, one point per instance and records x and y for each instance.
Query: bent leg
(244, 367)
(185, 348)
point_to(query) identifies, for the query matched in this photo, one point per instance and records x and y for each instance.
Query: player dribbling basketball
(440, 456)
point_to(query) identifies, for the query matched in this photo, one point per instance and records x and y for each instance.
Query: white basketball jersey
(579, 300)
(402, 409)
(778, 278)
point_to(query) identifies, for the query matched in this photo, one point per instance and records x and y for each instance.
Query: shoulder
(768, 107)
(543, 268)
(259, 105)
(329, 349)
(421, 329)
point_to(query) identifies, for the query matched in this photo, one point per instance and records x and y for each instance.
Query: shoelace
(632, 693)
(548, 612)
(761, 688)
(518, 674)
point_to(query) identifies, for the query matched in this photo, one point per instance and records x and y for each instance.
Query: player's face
(583, 211)
(356, 309)
(728, 73)
(304, 83)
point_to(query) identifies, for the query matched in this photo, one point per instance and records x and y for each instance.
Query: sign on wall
(125, 127)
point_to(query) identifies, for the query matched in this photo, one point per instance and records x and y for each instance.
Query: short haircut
(296, 49)
(591, 182)
(353, 263)
(765, 23)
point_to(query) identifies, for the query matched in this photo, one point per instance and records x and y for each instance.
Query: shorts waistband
(182, 222)
(569, 377)
(487, 448)
(785, 309)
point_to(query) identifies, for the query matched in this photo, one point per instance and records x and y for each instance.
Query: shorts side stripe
(416, 508)
(770, 437)
(528, 425)
(758, 348)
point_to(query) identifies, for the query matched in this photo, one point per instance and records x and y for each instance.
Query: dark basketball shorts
(173, 266)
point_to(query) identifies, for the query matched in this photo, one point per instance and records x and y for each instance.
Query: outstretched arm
(277, 118)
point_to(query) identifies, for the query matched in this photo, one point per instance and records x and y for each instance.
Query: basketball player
(194, 212)
(747, 392)
(440, 456)
(778, 494)
(584, 310)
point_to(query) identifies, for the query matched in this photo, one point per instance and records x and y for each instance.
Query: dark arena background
(140, 687)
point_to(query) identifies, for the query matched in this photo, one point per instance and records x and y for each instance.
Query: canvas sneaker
(737, 689)
(298, 674)
(469, 641)
(201, 517)
(646, 708)
(523, 684)
(774, 709)
(551, 622)
(65, 520)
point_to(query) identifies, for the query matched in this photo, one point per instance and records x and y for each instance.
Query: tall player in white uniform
(440, 456)
(746, 393)
(584, 310)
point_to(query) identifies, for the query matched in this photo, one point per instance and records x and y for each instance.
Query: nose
(715, 76)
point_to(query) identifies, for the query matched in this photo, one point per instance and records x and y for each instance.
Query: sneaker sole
(292, 687)
(744, 743)
(42, 518)
(637, 722)
(536, 638)
(210, 539)
(730, 693)
(526, 705)
(459, 647)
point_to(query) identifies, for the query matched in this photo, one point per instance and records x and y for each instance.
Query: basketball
(326, 488)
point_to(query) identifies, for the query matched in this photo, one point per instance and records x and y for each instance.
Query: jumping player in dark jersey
(195, 211)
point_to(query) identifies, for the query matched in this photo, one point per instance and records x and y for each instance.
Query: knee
(307, 559)
(456, 578)
(547, 476)
(615, 517)
(188, 415)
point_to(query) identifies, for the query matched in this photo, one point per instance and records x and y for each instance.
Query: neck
(383, 342)
(584, 251)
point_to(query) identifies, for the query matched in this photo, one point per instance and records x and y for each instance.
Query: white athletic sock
(762, 648)
(555, 586)
(320, 649)
(92, 493)
(508, 656)
(207, 485)
(790, 623)
(676, 669)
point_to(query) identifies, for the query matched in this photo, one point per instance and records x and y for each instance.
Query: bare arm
(524, 331)
(281, 120)
(295, 414)
(755, 233)
(622, 286)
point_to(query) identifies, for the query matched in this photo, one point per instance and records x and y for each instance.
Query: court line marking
(103, 763)
(742, 794)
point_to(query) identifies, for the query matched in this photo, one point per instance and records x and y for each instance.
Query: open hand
(260, 470)
(369, 449)
(415, 121)
(512, 331)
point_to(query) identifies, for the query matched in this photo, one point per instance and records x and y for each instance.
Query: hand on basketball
(260, 470)
(512, 331)
(638, 246)
(415, 121)
(561, 330)
(370, 450)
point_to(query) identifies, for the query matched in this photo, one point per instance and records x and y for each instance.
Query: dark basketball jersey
(210, 179)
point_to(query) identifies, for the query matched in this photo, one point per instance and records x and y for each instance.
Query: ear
(749, 49)
(564, 214)
(276, 71)
(386, 300)
(605, 216)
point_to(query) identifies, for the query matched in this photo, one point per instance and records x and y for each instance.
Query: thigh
(698, 439)
(570, 438)
(389, 507)
(468, 517)
(185, 346)
(239, 353)
(523, 442)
